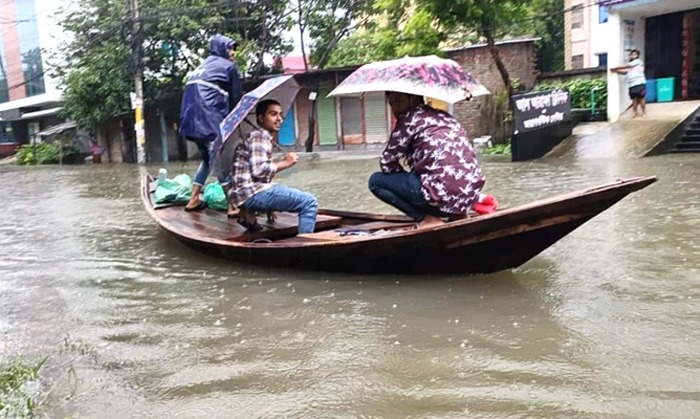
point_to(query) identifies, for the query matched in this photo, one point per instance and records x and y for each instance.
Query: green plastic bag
(215, 197)
(177, 189)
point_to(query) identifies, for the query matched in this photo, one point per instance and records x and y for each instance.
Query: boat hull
(483, 244)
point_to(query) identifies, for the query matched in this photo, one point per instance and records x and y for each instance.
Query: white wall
(601, 34)
(618, 54)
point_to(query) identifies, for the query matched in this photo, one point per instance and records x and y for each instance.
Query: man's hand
(289, 160)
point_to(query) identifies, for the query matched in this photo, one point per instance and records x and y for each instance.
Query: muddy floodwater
(604, 324)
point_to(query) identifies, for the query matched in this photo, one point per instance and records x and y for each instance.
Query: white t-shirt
(635, 75)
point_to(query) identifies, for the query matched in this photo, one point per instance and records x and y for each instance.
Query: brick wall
(478, 116)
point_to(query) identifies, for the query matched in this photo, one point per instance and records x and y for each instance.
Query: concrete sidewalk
(627, 138)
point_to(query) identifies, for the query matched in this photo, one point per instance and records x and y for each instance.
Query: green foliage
(547, 23)
(421, 27)
(419, 34)
(46, 153)
(15, 400)
(328, 22)
(94, 64)
(580, 91)
(498, 149)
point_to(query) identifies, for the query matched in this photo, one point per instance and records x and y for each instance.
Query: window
(602, 14)
(577, 61)
(577, 16)
(603, 60)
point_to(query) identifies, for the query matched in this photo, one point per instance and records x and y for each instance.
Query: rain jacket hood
(212, 90)
(219, 45)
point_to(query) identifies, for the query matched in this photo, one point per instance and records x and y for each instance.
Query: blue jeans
(205, 149)
(404, 192)
(281, 198)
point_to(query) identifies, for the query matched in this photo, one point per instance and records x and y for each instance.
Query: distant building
(666, 32)
(586, 34)
(29, 97)
(293, 64)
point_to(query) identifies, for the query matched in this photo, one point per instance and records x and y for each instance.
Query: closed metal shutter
(376, 130)
(351, 120)
(325, 111)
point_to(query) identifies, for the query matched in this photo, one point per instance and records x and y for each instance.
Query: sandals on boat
(199, 207)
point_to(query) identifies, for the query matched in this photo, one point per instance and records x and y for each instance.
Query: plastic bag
(215, 197)
(177, 189)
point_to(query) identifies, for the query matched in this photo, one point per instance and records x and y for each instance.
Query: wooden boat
(373, 243)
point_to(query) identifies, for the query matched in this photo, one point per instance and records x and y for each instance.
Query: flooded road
(606, 323)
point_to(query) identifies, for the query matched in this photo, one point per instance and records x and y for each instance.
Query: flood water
(606, 323)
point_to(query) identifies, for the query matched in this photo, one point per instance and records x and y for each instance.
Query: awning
(56, 129)
(37, 114)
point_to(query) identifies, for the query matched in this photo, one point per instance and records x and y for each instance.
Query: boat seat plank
(216, 225)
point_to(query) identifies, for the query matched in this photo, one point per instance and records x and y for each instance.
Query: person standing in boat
(213, 89)
(444, 178)
(253, 169)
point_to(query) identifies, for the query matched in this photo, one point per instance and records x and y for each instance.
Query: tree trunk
(312, 121)
(497, 58)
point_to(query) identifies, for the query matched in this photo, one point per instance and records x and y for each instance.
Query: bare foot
(457, 217)
(430, 221)
(271, 217)
(232, 212)
(194, 204)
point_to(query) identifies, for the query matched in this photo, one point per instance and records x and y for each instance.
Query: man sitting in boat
(444, 180)
(253, 170)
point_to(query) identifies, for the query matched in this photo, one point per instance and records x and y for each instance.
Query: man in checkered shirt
(253, 169)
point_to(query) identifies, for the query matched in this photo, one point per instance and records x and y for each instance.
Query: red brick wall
(477, 115)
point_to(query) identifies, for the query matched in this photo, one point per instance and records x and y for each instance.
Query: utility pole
(136, 41)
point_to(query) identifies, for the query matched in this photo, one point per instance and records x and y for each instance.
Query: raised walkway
(629, 137)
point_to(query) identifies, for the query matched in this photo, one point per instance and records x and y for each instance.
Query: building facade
(586, 34)
(666, 32)
(29, 97)
(366, 121)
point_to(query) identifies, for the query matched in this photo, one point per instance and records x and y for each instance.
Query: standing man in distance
(636, 82)
(213, 89)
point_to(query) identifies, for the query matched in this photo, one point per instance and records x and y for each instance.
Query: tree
(548, 24)
(94, 65)
(490, 19)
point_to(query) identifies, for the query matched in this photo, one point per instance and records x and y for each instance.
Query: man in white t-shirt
(636, 82)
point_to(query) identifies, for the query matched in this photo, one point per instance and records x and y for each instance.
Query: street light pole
(139, 123)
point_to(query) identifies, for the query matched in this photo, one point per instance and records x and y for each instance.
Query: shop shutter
(287, 132)
(376, 130)
(351, 120)
(325, 111)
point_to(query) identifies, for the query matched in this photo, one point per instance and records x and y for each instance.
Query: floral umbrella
(241, 120)
(428, 76)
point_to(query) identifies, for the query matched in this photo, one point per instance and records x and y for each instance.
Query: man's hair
(263, 105)
(635, 50)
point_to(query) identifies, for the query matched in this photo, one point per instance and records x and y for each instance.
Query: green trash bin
(664, 89)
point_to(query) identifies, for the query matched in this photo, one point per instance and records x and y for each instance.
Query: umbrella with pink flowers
(428, 76)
